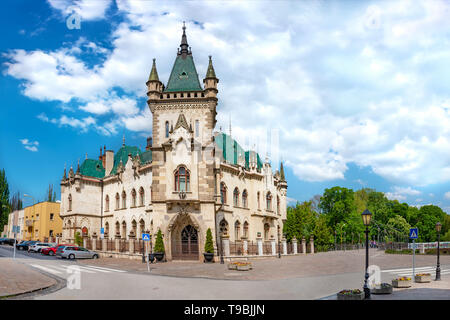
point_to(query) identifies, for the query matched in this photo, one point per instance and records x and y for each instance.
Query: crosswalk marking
(46, 269)
(108, 269)
(89, 268)
(59, 269)
(407, 269)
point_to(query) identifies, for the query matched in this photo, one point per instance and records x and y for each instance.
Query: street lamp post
(438, 265)
(279, 252)
(366, 216)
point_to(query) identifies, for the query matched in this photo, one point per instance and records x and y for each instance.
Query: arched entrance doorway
(185, 244)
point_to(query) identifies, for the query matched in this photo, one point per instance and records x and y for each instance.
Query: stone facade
(190, 184)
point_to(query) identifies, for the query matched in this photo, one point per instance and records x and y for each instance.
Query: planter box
(423, 279)
(232, 266)
(358, 296)
(208, 257)
(401, 284)
(243, 268)
(382, 290)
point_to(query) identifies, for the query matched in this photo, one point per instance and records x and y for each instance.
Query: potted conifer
(209, 247)
(159, 246)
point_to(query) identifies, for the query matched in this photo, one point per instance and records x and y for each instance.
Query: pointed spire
(184, 45)
(78, 167)
(153, 74)
(210, 72)
(282, 178)
(123, 140)
(65, 174)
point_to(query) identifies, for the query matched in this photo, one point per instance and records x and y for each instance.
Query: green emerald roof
(184, 76)
(146, 157)
(92, 168)
(122, 154)
(231, 151)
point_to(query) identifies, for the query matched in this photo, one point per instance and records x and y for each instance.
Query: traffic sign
(102, 230)
(413, 233)
(16, 229)
(145, 237)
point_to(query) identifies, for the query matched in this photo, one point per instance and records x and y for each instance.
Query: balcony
(29, 223)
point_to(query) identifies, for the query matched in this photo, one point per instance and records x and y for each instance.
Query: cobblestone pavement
(16, 278)
(319, 264)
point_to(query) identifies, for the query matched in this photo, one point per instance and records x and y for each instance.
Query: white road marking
(89, 268)
(103, 268)
(46, 269)
(407, 269)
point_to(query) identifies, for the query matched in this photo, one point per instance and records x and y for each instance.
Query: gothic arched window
(244, 199)
(124, 200)
(181, 179)
(107, 203)
(141, 196)
(167, 129)
(269, 201)
(237, 230)
(236, 197)
(223, 193)
(133, 198)
(70, 202)
(246, 229)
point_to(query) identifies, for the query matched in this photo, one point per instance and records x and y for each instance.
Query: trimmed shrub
(209, 246)
(159, 244)
(78, 239)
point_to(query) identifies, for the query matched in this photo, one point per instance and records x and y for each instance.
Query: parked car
(25, 245)
(51, 251)
(38, 246)
(74, 252)
(7, 241)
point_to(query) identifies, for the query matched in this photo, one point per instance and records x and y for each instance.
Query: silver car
(71, 252)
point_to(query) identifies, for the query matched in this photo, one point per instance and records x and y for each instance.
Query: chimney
(149, 143)
(104, 156)
(109, 161)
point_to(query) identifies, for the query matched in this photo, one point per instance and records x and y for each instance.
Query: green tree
(398, 227)
(428, 217)
(4, 200)
(323, 236)
(300, 221)
(209, 245)
(78, 239)
(337, 204)
(159, 243)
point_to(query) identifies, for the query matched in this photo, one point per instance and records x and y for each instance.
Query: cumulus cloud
(360, 84)
(87, 9)
(30, 145)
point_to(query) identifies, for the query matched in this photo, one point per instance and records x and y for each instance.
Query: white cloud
(364, 85)
(87, 9)
(447, 195)
(30, 145)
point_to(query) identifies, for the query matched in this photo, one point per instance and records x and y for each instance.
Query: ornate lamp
(366, 216)
(438, 265)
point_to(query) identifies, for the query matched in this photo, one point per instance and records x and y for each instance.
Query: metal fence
(236, 248)
(138, 246)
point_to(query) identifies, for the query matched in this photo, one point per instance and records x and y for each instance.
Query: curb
(60, 283)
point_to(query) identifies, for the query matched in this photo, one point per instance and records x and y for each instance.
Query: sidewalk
(17, 278)
(434, 290)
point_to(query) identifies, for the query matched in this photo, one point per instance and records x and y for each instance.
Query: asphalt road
(93, 282)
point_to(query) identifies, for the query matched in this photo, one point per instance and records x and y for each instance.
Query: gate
(187, 248)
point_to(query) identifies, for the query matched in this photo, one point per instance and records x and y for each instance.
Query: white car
(38, 246)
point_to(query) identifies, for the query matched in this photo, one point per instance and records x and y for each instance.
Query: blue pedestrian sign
(145, 237)
(413, 233)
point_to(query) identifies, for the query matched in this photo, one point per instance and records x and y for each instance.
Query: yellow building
(42, 222)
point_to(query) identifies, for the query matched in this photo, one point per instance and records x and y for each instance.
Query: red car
(52, 251)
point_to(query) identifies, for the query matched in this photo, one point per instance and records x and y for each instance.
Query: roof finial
(86, 155)
(184, 45)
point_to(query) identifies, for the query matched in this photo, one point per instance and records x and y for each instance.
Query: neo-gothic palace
(189, 178)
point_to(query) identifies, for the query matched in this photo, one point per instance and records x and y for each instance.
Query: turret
(154, 86)
(210, 81)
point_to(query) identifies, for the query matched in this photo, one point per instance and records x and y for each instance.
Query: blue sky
(357, 91)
